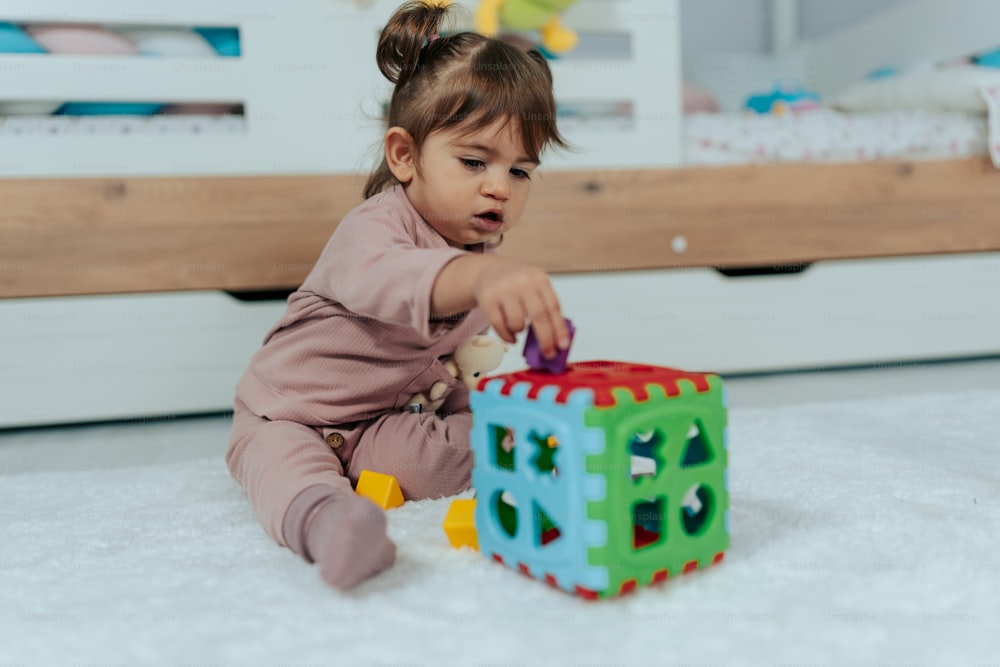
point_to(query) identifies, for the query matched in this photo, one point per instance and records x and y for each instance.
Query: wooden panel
(82, 236)
(88, 236)
(758, 215)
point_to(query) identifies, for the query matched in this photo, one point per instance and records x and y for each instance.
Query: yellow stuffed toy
(541, 15)
(473, 359)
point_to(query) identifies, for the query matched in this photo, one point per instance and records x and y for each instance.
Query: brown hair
(460, 79)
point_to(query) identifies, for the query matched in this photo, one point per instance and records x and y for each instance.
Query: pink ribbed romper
(324, 397)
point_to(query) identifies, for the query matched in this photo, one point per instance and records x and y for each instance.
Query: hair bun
(405, 35)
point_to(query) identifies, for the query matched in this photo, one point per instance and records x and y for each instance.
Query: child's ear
(400, 154)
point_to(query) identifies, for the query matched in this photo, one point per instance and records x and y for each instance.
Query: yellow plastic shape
(460, 524)
(383, 490)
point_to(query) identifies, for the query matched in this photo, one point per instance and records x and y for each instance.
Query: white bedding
(824, 135)
(863, 533)
(188, 124)
(709, 139)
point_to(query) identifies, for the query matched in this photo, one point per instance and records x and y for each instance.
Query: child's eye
(472, 163)
(519, 173)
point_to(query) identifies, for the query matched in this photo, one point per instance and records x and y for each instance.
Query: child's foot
(347, 539)
(345, 535)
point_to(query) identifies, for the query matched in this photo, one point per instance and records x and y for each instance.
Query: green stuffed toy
(541, 15)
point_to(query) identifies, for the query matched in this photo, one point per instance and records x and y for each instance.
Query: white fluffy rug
(862, 533)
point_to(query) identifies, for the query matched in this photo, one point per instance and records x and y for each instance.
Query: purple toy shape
(533, 355)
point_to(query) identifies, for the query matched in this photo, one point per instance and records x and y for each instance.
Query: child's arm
(509, 292)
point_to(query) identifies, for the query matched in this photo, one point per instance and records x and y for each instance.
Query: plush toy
(541, 15)
(991, 59)
(473, 359)
(698, 100)
(783, 99)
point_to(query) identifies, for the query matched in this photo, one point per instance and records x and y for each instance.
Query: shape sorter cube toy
(603, 478)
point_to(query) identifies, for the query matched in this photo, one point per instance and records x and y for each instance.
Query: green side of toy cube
(650, 531)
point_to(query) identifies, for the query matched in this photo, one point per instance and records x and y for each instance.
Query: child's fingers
(514, 316)
(554, 313)
(503, 332)
(544, 325)
(562, 332)
(550, 325)
(498, 320)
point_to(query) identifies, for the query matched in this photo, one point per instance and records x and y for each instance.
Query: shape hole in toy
(697, 508)
(502, 438)
(505, 512)
(645, 450)
(696, 449)
(648, 528)
(547, 531)
(546, 447)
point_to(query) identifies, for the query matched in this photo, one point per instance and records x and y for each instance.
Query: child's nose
(496, 186)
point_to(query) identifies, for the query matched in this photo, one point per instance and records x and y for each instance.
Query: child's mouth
(489, 221)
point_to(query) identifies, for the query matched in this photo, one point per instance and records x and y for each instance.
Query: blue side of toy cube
(563, 497)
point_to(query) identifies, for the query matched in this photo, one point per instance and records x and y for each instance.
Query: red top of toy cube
(601, 377)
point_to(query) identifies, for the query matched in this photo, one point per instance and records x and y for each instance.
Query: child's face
(472, 187)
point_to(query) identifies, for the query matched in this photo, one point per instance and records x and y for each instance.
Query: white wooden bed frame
(116, 254)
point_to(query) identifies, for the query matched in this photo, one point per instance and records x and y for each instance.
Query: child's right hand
(512, 294)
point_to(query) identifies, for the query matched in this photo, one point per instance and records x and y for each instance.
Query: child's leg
(274, 461)
(429, 455)
(303, 500)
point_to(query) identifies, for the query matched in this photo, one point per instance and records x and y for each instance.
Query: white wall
(820, 17)
(724, 26)
(743, 26)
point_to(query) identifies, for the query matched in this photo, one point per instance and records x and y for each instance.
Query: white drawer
(126, 357)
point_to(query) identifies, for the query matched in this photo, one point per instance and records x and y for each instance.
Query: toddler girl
(406, 277)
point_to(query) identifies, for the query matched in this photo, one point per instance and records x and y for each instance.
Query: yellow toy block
(460, 524)
(381, 489)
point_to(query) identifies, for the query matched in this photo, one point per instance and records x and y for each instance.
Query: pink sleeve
(374, 268)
